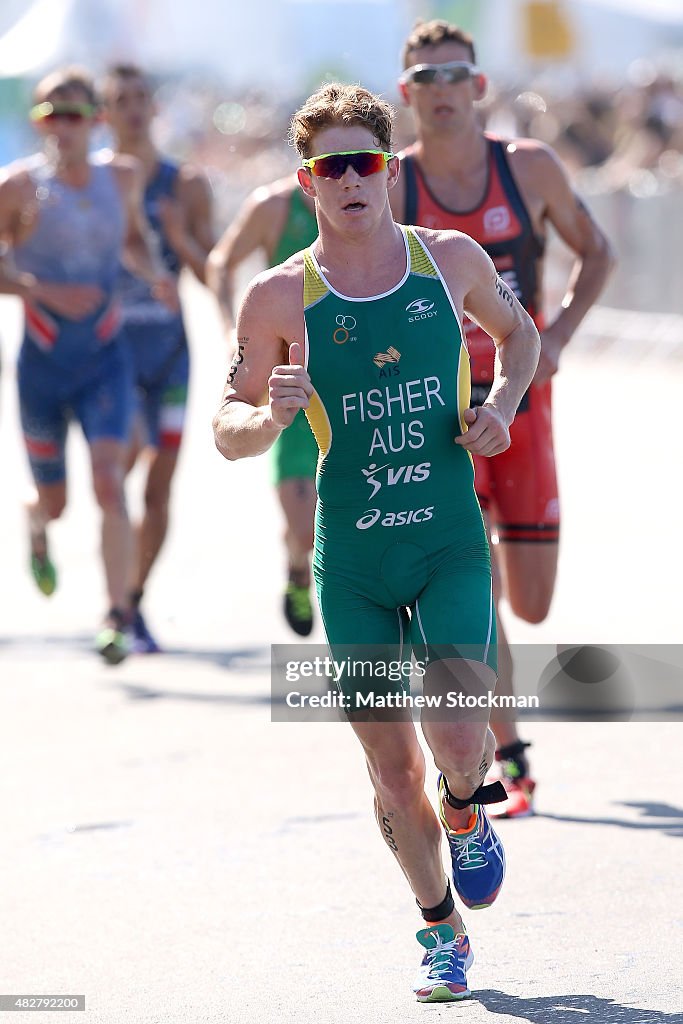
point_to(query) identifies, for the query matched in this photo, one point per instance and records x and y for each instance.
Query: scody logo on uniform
(420, 309)
(413, 515)
(395, 475)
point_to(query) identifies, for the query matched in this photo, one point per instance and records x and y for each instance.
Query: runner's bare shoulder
(532, 159)
(461, 261)
(275, 297)
(18, 176)
(448, 246)
(274, 197)
(19, 197)
(127, 168)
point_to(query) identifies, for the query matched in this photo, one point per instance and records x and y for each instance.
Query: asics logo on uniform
(342, 333)
(420, 309)
(413, 515)
(398, 475)
(392, 355)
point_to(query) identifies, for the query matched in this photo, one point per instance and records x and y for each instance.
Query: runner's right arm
(489, 301)
(187, 220)
(267, 383)
(12, 282)
(248, 232)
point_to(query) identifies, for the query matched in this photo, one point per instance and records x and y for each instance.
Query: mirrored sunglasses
(72, 112)
(333, 165)
(451, 73)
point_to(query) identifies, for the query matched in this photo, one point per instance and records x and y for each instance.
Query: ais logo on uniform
(420, 309)
(398, 475)
(387, 362)
(413, 515)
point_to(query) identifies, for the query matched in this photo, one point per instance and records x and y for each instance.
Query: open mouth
(355, 206)
(443, 108)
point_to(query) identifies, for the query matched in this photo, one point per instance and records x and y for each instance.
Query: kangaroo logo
(392, 355)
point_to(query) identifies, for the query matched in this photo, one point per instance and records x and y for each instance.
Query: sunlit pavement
(173, 855)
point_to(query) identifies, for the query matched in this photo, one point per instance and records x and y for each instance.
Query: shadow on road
(672, 827)
(139, 691)
(292, 824)
(63, 641)
(243, 659)
(655, 810)
(569, 1009)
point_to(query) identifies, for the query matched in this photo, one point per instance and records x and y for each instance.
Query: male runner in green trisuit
(363, 330)
(278, 220)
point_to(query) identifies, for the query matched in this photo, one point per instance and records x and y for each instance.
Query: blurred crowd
(631, 138)
(627, 138)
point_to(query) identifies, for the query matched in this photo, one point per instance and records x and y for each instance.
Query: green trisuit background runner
(398, 524)
(295, 452)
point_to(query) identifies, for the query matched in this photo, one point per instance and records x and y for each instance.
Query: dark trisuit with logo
(154, 333)
(518, 487)
(398, 524)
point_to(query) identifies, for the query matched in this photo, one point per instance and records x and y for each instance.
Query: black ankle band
(118, 616)
(443, 910)
(511, 750)
(299, 577)
(493, 793)
(136, 598)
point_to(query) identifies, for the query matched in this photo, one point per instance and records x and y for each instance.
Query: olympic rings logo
(345, 324)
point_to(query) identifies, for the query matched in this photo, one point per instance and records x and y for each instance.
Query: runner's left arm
(489, 301)
(187, 221)
(138, 254)
(572, 220)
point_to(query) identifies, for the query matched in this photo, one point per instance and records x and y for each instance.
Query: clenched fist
(289, 388)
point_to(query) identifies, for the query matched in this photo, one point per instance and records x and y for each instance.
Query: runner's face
(443, 106)
(129, 107)
(350, 203)
(68, 139)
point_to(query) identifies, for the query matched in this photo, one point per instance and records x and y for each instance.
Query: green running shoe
(298, 609)
(112, 643)
(44, 573)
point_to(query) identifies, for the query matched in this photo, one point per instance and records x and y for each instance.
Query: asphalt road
(174, 855)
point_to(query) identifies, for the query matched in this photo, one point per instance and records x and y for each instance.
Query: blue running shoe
(477, 855)
(143, 641)
(442, 977)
